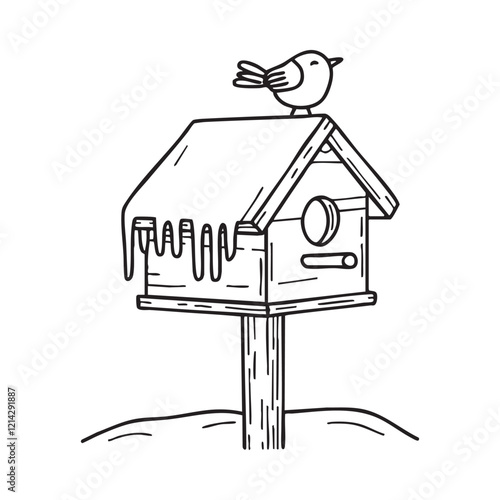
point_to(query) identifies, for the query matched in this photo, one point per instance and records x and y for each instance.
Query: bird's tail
(250, 76)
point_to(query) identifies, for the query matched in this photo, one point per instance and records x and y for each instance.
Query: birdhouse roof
(242, 170)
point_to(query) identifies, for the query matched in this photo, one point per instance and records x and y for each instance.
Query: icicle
(143, 239)
(198, 250)
(177, 242)
(128, 235)
(228, 240)
(159, 237)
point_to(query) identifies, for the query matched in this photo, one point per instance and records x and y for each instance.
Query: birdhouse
(258, 218)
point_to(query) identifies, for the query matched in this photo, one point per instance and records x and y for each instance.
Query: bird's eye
(314, 62)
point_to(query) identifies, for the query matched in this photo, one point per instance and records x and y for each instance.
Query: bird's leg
(301, 111)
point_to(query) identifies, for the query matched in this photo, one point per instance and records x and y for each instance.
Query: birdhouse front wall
(300, 269)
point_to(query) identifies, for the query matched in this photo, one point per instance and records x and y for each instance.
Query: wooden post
(263, 382)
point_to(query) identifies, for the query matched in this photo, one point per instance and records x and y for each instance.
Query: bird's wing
(250, 76)
(285, 77)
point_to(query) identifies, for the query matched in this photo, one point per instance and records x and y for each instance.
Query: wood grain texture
(263, 369)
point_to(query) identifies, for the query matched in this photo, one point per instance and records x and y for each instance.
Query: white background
(60, 246)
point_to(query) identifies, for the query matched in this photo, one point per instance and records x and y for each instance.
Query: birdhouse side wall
(242, 278)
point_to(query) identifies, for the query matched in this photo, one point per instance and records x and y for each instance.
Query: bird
(300, 83)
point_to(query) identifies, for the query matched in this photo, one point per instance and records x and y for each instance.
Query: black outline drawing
(357, 425)
(130, 434)
(243, 261)
(301, 83)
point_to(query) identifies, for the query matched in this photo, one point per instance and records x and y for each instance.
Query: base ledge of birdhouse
(259, 309)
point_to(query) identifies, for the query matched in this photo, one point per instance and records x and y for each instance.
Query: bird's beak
(335, 60)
